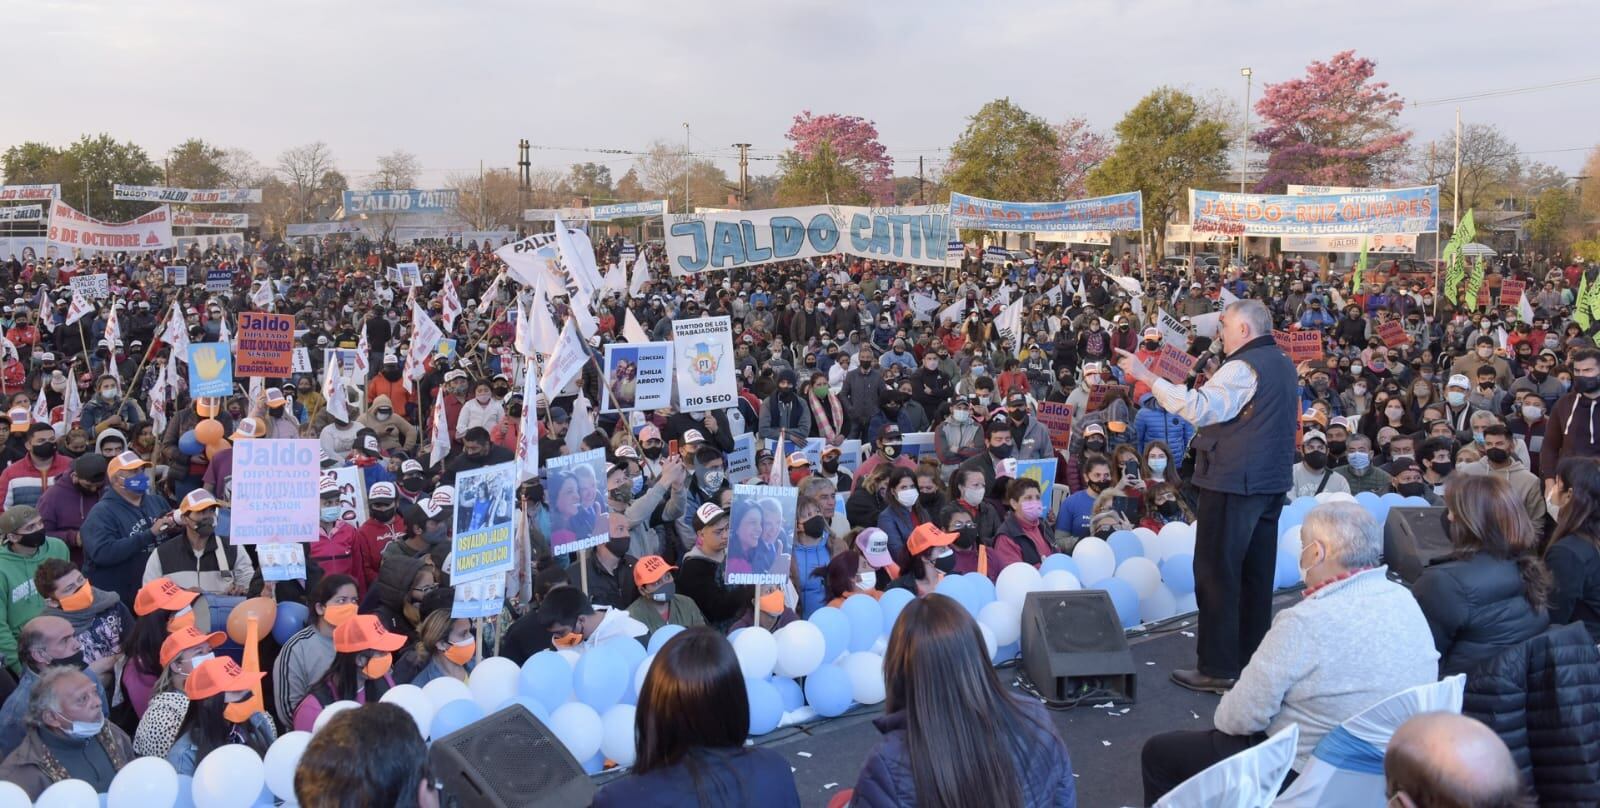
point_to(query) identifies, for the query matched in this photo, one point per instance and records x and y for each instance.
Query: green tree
(1166, 145)
(195, 163)
(1553, 211)
(590, 180)
(31, 163)
(821, 179)
(95, 165)
(1006, 153)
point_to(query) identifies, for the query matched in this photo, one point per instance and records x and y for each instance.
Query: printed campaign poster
(275, 491)
(219, 280)
(479, 597)
(1042, 472)
(352, 495)
(572, 490)
(264, 345)
(742, 460)
(638, 376)
(704, 363)
(177, 275)
(282, 562)
(94, 287)
(760, 534)
(484, 540)
(210, 369)
(410, 275)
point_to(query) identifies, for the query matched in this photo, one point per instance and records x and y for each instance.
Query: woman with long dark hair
(220, 713)
(690, 727)
(1491, 592)
(305, 656)
(953, 736)
(162, 608)
(363, 654)
(1574, 556)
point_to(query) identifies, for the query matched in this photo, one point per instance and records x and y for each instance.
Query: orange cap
(649, 569)
(219, 675)
(928, 535)
(127, 460)
(207, 407)
(365, 632)
(185, 638)
(161, 593)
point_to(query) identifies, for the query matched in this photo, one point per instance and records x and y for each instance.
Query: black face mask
(1094, 446)
(1442, 469)
(618, 545)
(1169, 509)
(1001, 452)
(74, 661)
(830, 467)
(391, 375)
(815, 526)
(1585, 384)
(382, 514)
(1097, 486)
(33, 540)
(411, 484)
(44, 451)
(1416, 489)
(966, 536)
(1316, 460)
(653, 452)
(1497, 455)
(515, 410)
(946, 564)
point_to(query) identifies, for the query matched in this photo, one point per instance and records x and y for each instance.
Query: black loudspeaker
(1073, 645)
(508, 760)
(1412, 539)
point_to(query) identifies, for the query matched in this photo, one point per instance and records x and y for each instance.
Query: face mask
(711, 480)
(1554, 509)
(1158, 465)
(1033, 509)
(665, 592)
(483, 399)
(1360, 460)
(1485, 353)
(86, 729)
(1411, 489)
(1456, 398)
(336, 614)
(108, 395)
(652, 452)
(1335, 446)
(1497, 455)
(979, 370)
(961, 416)
(1586, 384)
(867, 580)
(137, 484)
(1443, 469)
(906, 497)
(1355, 370)
(239, 712)
(1532, 413)
(44, 451)
(377, 666)
(31, 540)
(944, 560)
(204, 527)
(77, 601)
(383, 415)
(890, 450)
(1001, 452)
(815, 527)
(618, 545)
(1316, 460)
(436, 535)
(331, 513)
(1477, 437)
(622, 496)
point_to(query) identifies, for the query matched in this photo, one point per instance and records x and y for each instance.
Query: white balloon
(281, 760)
(1159, 605)
(578, 727)
(880, 645)
(1335, 496)
(444, 690)
(800, 649)
(990, 646)
(1058, 581)
(570, 656)
(230, 777)
(12, 794)
(1142, 573)
(1290, 540)
(1095, 560)
(1003, 619)
(616, 734)
(866, 676)
(1177, 538)
(757, 652)
(640, 672)
(494, 682)
(1016, 581)
(1154, 548)
(69, 794)
(415, 702)
(144, 783)
(329, 712)
(1187, 604)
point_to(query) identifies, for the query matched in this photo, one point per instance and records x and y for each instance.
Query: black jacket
(1575, 562)
(700, 579)
(1475, 608)
(1539, 697)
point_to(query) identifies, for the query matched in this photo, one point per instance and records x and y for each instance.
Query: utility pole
(481, 224)
(686, 207)
(919, 181)
(1244, 145)
(744, 175)
(1455, 196)
(524, 180)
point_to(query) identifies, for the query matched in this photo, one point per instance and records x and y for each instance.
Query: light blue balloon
(1125, 545)
(1414, 502)
(600, 677)
(766, 706)
(596, 764)
(1392, 498)
(982, 588)
(835, 628)
(959, 589)
(1287, 573)
(1177, 572)
(1288, 520)
(536, 707)
(789, 690)
(546, 677)
(661, 636)
(1060, 561)
(629, 650)
(828, 691)
(185, 792)
(104, 799)
(1366, 498)
(1125, 598)
(454, 716)
(865, 619)
(266, 799)
(891, 603)
(1008, 652)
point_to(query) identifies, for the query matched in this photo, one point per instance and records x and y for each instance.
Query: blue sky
(459, 82)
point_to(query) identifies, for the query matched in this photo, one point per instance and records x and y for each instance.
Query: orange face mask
(239, 712)
(772, 602)
(77, 601)
(459, 654)
(570, 640)
(338, 613)
(181, 621)
(377, 666)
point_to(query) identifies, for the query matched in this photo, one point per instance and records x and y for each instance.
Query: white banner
(411, 235)
(192, 218)
(1399, 243)
(1182, 234)
(697, 242)
(599, 213)
(29, 193)
(320, 229)
(22, 213)
(187, 196)
(227, 242)
(72, 230)
(1093, 237)
(704, 363)
(26, 248)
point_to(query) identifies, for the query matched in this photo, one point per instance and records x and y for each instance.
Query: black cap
(91, 467)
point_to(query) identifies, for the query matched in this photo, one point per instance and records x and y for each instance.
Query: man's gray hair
(44, 698)
(1253, 313)
(1350, 533)
(1357, 438)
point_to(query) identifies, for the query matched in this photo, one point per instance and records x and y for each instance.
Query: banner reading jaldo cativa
(697, 242)
(1401, 210)
(1115, 212)
(409, 200)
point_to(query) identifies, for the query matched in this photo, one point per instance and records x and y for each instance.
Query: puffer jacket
(1045, 776)
(1475, 609)
(393, 588)
(1539, 697)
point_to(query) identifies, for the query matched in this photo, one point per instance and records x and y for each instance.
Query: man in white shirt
(1312, 475)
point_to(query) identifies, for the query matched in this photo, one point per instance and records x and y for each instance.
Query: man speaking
(1243, 456)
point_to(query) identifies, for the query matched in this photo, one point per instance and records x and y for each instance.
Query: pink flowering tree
(1081, 149)
(854, 141)
(1334, 126)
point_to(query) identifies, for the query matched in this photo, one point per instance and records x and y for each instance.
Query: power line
(1532, 88)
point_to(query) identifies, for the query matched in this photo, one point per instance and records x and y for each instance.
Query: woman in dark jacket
(898, 518)
(952, 736)
(690, 727)
(1490, 593)
(1574, 557)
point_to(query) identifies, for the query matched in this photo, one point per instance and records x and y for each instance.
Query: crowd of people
(119, 571)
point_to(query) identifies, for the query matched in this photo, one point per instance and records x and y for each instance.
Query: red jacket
(370, 539)
(335, 552)
(22, 484)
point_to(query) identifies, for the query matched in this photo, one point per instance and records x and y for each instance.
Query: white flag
(176, 333)
(257, 394)
(616, 280)
(72, 407)
(449, 303)
(333, 388)
(224, 335)
(528, 444)
(523, 340)
(954, 312)
(1228, 298)
(488, 296)
(440, 447)
(41, 406)
(544, 331)
(641, 273)
(80, 307)
(631, 330)
(1009, 321)
(565, 362)
(262, 297)
(581, 425)
(1524, 311)
(112, 334)
(778, 475)
(425, 338)
(158, 401)
(363, 350)
(578, 258)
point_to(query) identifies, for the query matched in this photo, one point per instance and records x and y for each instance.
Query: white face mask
(199, 659)
(867, 580)
(1554, 509)
(972, 495)
(906, 497)
(86, 729)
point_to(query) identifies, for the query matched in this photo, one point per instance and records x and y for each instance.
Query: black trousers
(1235, 554)
(1170, 758)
